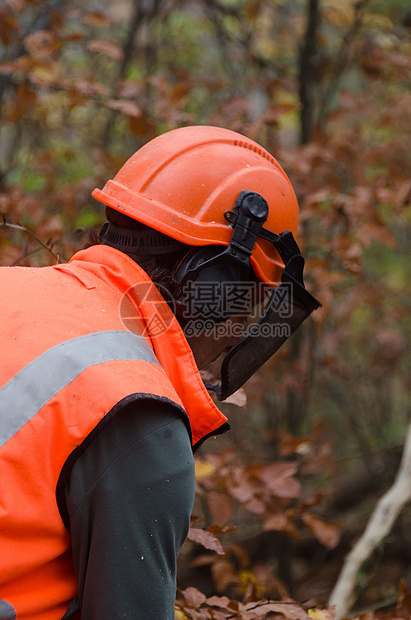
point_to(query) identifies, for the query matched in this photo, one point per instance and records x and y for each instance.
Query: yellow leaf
(340, 16)
(179, 615)
(204, 469)
(320, 614)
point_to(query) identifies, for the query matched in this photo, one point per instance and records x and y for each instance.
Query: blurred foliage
(82, 88)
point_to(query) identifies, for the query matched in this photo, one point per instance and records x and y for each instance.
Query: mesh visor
(288, 306)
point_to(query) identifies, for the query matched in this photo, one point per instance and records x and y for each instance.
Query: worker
(101, 400)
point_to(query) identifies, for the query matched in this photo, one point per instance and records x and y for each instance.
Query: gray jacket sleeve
(129, 498)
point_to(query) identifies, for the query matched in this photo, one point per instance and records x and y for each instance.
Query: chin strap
(148, 242)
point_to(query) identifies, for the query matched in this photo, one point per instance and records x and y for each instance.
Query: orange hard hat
(182, 182)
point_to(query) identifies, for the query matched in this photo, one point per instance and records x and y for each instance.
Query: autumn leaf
(277, 522)
(281, 522)
(224, 573)
(279, 479)
(222, 602)
(329, 534)
(218, 529)
(193, 597)
(26, 98)
(97, 19)
(287, 610)
(125, 106)
(206, 539)
(42, 45)
(241, 489)
(239, 398)
(220, 505)
(89, 88)
(108, 48)
(8, 26)
(404, 600)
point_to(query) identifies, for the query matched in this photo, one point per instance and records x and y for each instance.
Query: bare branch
(379, 526)
(307, 53)
(49, 248)
(342, 60)
(142, 13)
(216, 13)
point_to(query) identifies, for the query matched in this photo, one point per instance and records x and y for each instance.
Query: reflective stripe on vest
(6, 611)
(33, 386)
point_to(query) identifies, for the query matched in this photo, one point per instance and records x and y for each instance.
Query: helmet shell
(183, 181)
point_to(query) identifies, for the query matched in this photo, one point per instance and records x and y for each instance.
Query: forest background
(324, 85)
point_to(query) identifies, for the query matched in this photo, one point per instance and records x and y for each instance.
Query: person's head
(205, 211)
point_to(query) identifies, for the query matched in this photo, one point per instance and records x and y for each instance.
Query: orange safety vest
(77, 339)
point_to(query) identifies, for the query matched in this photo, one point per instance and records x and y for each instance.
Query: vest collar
(163, 330)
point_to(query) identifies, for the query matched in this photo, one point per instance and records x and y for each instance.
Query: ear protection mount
(215, 267)
(202, 267)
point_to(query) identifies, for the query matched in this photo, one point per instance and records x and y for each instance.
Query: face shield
(276, 313)
(288, 306)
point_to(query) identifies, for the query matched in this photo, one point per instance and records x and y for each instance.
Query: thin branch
(128, 50)
(342, 60)
(306, 74)
(141, 15)
(62, 258)
(49, 248)
(216, 13)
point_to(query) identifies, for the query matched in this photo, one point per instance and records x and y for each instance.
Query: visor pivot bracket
(253, 205)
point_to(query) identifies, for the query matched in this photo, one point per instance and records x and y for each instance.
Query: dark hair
(161, 267)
